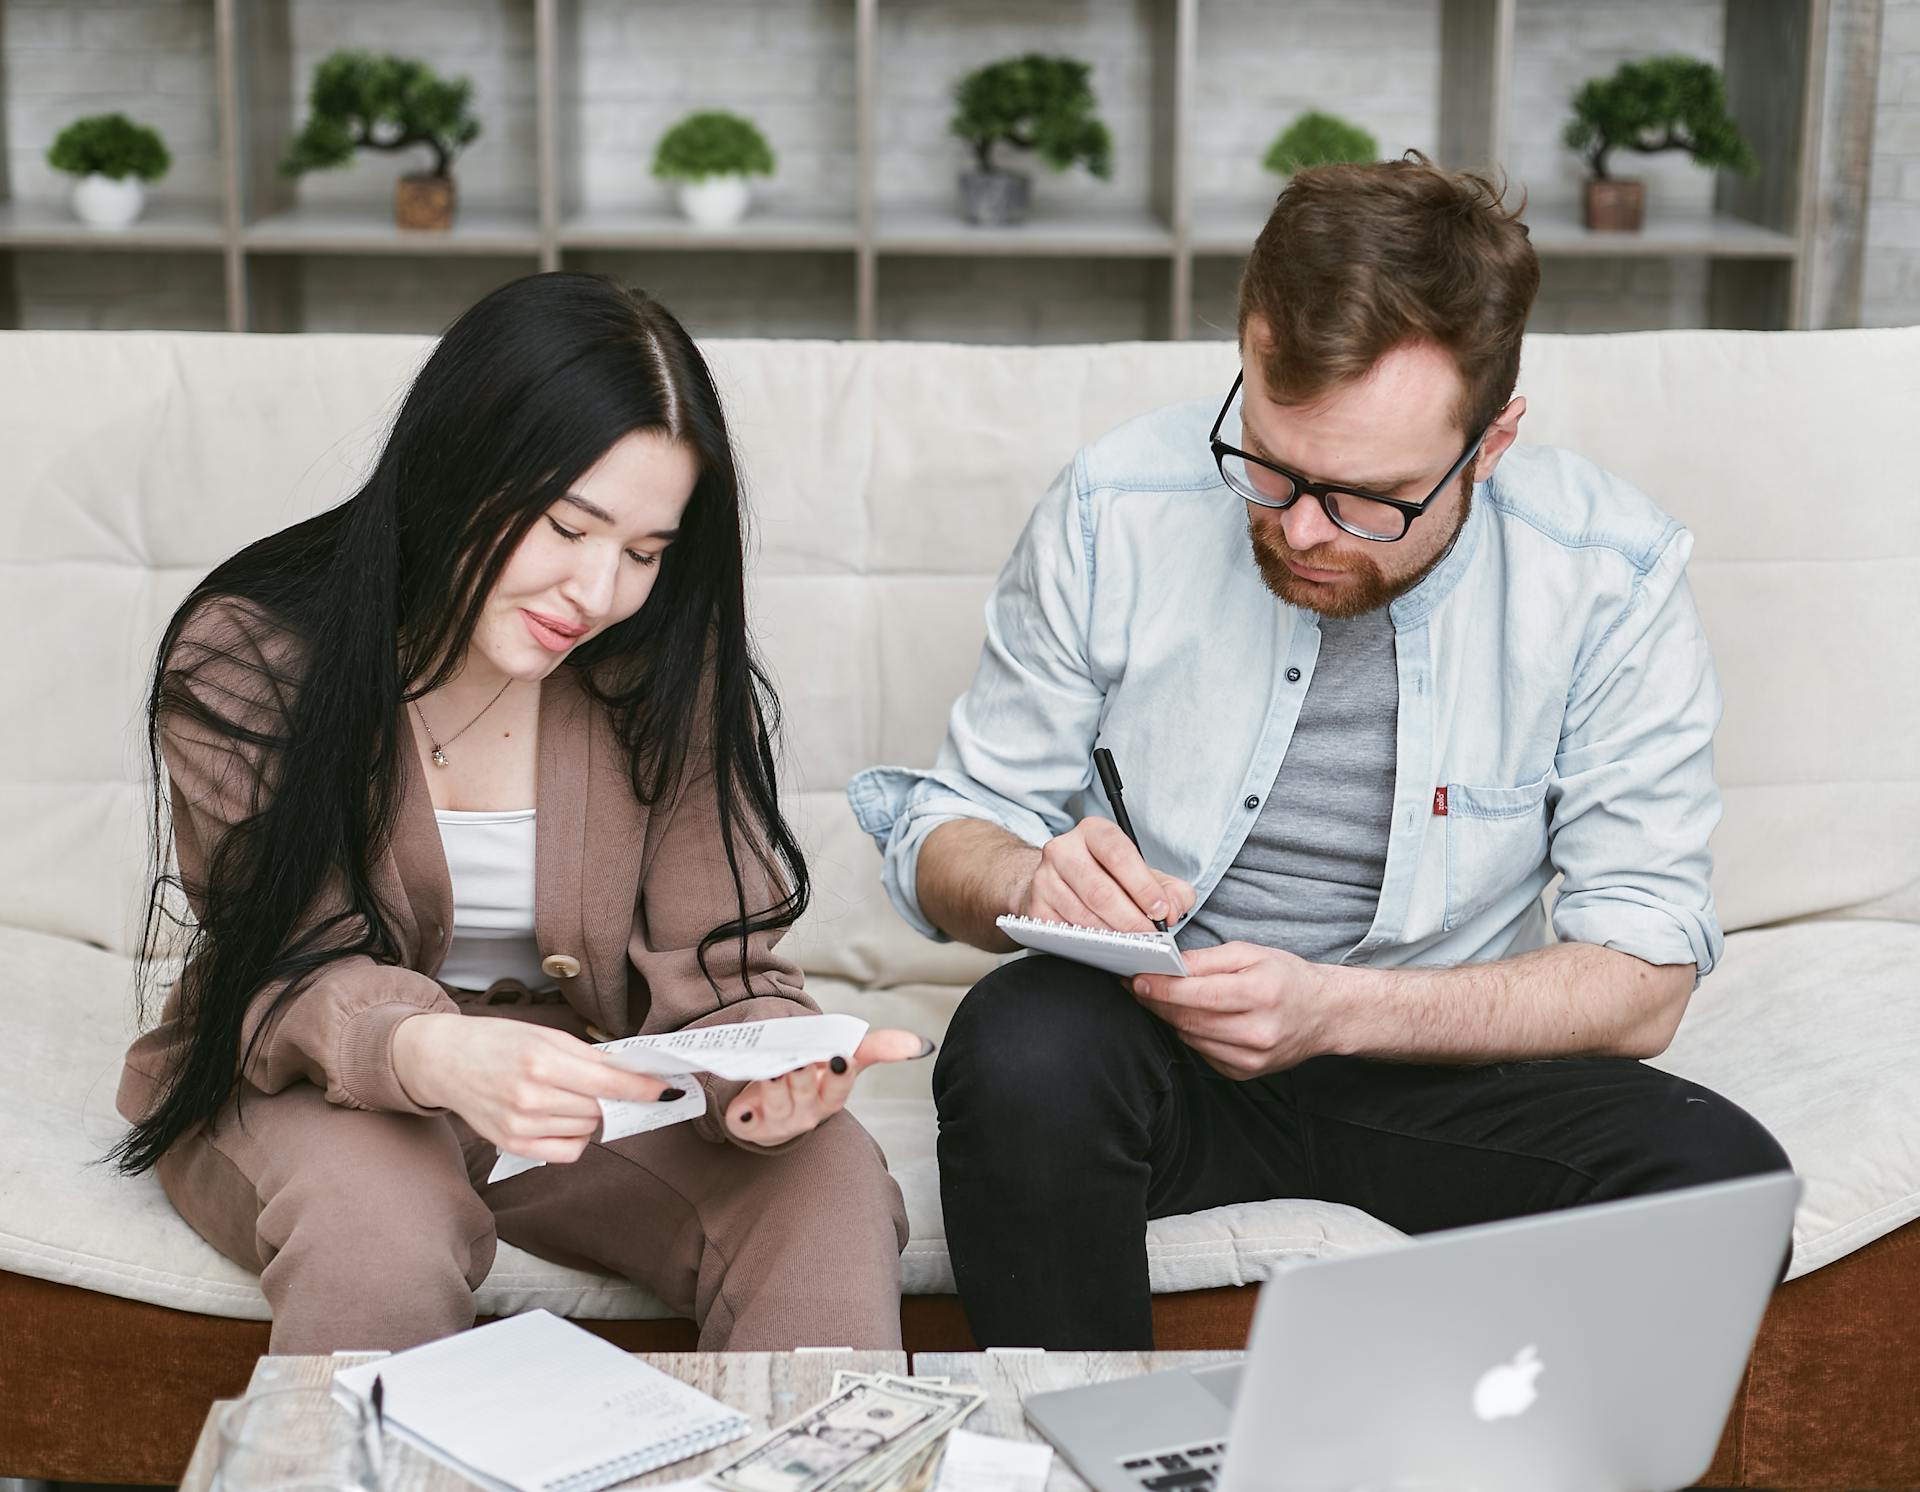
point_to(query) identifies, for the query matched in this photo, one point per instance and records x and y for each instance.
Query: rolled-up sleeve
(1019, 740)
(1634, 801)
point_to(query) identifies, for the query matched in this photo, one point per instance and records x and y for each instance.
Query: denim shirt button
(1293, 676)
(1252, 802)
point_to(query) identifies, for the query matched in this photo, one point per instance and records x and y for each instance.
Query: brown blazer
(623, 893)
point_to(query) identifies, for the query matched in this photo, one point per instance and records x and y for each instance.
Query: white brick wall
(1558, 45)
(1890, 288)
(489, 41)
(632, 69)
(153, 61)
(636, 70)
(925, 46)
(1375, 62)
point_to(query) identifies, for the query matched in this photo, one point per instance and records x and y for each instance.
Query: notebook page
(534, 1399)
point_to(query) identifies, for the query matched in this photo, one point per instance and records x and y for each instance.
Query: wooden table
(770, 1387)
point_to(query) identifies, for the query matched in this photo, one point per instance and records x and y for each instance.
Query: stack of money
(877, 1433)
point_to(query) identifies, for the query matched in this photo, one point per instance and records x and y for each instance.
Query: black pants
(1069, 1116)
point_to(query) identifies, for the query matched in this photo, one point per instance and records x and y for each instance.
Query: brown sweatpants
(372, 1230)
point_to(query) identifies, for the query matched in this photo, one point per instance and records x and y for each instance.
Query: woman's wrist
(414, 1040)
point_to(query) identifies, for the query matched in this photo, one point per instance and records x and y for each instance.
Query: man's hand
(1246, 1010)
(777, 1109)
(1093, 876)
(529, 1089)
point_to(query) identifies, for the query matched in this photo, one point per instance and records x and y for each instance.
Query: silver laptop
(1595, 1348)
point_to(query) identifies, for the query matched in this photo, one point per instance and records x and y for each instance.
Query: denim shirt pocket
(1496, 837)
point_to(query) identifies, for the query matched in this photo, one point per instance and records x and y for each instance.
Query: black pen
(1110, 782)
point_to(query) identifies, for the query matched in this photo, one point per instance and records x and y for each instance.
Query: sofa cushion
(68, 1014)
(1840, 997)
(1814, 1029)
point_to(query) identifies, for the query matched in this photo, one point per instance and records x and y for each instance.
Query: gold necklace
(439, 751)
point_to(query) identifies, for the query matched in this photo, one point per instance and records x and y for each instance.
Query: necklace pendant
(439, 757)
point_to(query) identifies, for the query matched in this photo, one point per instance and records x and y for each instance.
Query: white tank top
(490, 861)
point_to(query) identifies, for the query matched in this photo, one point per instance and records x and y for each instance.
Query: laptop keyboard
(1192, 1468)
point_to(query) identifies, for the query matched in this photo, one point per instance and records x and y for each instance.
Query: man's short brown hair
(1357, 260)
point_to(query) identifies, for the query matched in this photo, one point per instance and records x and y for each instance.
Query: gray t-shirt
(1308, 877)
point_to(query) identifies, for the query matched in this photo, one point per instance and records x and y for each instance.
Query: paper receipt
(744, 1051)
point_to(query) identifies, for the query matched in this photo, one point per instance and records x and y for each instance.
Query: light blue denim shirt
(1555, 681)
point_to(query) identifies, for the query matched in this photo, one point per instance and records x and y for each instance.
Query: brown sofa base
(94, 1388)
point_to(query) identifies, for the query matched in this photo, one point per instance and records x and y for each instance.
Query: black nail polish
(838, 1064)
(668, 1095)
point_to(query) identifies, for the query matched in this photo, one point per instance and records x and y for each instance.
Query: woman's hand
(777, 1109)
(529, 1089)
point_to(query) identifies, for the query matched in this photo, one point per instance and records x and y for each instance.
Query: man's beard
(1362, 587)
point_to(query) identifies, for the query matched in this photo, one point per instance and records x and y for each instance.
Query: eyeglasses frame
(1325, 491)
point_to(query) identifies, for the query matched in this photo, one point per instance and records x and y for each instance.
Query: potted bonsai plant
(360, 101)
(1658, 103)
(1316, 139)
(112, 159)
(709, 155)
(1036, 103)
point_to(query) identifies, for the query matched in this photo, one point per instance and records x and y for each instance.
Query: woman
(466, 773)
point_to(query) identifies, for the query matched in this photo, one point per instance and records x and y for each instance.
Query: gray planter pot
(995, 199)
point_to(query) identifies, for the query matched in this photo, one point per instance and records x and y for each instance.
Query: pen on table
(1110, 782)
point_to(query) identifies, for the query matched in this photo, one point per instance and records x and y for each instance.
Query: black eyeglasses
(1365, 515)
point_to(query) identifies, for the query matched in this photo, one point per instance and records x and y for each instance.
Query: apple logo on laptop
(1508, 1390)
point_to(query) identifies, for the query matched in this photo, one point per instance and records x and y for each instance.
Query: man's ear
(1501, 434)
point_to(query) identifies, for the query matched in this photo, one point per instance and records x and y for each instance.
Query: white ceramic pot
(101, 202)
(716, 202)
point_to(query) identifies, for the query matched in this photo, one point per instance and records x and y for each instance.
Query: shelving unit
(1753, 237)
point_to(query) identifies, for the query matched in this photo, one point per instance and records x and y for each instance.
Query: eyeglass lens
(1359, 514)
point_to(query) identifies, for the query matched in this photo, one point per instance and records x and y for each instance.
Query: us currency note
(909, 1462)
(863, 1427)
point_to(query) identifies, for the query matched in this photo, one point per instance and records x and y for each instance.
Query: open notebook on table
(536, 1404)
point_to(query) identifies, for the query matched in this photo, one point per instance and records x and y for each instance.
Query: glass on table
(296, 1440)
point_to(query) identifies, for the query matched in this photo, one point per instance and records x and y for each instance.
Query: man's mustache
(1278, 548)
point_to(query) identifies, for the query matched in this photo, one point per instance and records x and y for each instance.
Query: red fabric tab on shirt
(1440, 802)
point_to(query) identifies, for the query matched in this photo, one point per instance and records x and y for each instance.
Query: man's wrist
(1342, 1002)
(1023, 865)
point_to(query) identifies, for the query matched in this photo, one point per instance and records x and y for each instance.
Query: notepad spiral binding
(1097, 934)
(638, 1463)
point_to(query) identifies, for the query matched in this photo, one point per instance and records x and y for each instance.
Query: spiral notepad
(535, 1404)
(1116, 952)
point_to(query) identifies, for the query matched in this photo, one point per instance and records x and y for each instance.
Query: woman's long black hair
(377, 599)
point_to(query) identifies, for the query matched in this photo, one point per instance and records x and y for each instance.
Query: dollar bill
(864, 1427)
(909, 1462)
(844, 1380)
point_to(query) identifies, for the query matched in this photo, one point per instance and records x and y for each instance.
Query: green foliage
(1659, 103)
(360, 101)
(712, 142)
(1316, 139)
(1038, 103)
(112, 145)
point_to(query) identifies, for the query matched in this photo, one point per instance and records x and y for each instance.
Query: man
(1373, 674)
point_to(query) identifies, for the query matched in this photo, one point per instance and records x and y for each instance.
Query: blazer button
(560, 965)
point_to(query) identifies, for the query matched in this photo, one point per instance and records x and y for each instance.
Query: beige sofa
(889, 482)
